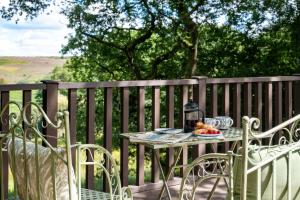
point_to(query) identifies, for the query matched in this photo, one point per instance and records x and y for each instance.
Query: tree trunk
(193, 56)
(190, 29)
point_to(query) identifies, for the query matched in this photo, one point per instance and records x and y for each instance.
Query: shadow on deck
(202, 191)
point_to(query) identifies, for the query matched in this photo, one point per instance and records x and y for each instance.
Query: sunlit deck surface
(202, 192)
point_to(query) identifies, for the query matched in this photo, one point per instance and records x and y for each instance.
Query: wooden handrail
(149, 83)
(26, 86)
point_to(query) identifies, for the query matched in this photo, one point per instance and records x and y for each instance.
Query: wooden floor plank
(202, 192)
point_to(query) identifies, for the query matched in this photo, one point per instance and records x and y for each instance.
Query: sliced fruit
(213, 131)
(200, 131)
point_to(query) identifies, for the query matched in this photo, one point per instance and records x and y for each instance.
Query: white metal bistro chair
(256, 171)
(41, 171)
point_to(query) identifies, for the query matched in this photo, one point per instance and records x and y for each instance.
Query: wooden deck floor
(201, 193)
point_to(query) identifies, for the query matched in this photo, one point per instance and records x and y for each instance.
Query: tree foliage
(141, 36)
(147, 39)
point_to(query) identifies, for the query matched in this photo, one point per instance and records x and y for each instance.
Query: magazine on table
(167, 136)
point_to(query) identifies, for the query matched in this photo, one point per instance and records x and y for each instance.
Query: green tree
(146, 39)
(140, 38)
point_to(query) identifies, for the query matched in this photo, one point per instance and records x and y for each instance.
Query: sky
(42, 36)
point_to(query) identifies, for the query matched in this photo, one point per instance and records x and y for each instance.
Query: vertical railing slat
(296, 96)
(278, 107)
(155, 124)
(278, 103)
(199, 95)
(26, 99)
(90, 136)
(288, 99)
(225, 107)
(108, 101)
(183, 100)
(268, 105)
(170, 123)
(237, 105)
(258, 101)
(248, 99)
(214, 100)
(214, 108)
(141, 127)
(4, 127)
(124, 129)
(236, 110)
(72, 107)
(226, 99)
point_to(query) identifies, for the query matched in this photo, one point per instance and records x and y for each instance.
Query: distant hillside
(27, 69)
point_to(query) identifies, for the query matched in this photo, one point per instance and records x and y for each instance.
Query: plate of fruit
(206, 130)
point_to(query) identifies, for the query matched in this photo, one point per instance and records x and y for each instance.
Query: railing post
(199, 96)
(268, 105)
(155, 124)
(170, 105)
(140, 151)
(50, 106)
(90, 135)
(184, 91)
(296, 96)
(72, 108)
(108, 110)
(124, 129)
(288, 100)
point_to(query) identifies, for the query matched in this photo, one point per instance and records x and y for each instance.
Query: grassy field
(27, 69)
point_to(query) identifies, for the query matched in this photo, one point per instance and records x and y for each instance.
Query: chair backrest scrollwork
(33, 160)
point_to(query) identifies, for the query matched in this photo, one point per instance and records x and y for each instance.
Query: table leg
(171, 170)
(162, 174)
(218, 179)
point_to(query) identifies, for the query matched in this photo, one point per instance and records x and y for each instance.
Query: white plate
(208, 135)
(168, 130)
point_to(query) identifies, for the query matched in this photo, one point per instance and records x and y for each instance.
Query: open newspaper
(161, 137)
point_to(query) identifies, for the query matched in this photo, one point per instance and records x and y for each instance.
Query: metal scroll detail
(126, 193)
(38, 119)
(206, 167)
(12, 119)
(279, 137)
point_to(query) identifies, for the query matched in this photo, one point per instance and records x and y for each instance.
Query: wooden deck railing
(272, 99)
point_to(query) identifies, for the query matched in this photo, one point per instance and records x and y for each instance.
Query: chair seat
(87, 194)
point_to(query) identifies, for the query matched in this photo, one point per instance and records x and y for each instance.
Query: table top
(231, 134)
